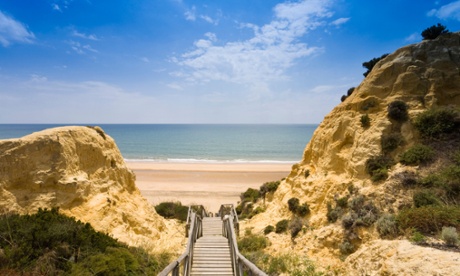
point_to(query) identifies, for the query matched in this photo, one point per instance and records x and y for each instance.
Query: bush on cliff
(172, 210)
(369, 65)
(436, 123)
(434, 31)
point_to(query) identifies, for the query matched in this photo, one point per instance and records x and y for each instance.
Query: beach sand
(209, 185)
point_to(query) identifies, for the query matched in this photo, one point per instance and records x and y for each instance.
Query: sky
(190, 61)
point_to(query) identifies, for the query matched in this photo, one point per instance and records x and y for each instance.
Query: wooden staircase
(211, 254)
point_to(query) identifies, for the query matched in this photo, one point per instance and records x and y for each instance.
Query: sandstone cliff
(81, 171)
(423, 75)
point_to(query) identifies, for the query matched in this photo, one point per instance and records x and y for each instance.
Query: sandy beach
(207, 184)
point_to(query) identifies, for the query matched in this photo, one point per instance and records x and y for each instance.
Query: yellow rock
(81, 171)
(423, 75)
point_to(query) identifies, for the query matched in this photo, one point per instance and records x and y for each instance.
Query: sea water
(243, 143)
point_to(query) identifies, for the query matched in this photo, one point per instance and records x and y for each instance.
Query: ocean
(198, 143)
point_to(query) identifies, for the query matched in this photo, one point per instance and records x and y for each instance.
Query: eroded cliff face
(81, 171)
(423, 75)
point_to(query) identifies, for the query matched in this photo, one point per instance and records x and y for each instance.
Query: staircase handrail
(195, 231)
(228, 209)
(239, 262)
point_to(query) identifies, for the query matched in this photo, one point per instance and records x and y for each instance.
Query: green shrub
(407, 179)
(281, 226)
(333, 213)
(268, 229)
(417, 237)
(369, 65)
(417, 154)
(293, 204)
(173, 210)
(63, 246)
(386, 226)
(269, 187)
(365, 121)
(434, 31)
(435, 123)
(429, 219)
(303, 210)
(449, 235)
(346, 248)
(342, 202)
(377, 167)
(390, 142)
(251, 243)
(348, 221)
(447, 180)
(397, 111)
(295, 226)
(251, 195)
(425, 198)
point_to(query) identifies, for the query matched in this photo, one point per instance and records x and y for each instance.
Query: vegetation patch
(268, 229)
(172, 210)
(49, 243)
(369, 65)
(282, 226)
(434, 31)
(295, 207)
(397, 110)
(429, 219)
(436, 123)
(386, 226)
(285, 264)
(390, 142)
(417, 155)
(449, 235)
(377, 167)
(252, 242)
(365, 121)
(295, 226)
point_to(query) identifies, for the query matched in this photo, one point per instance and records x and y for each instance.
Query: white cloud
(413, 37)
(208, 19)
(340, 21)
(85, 36)
(12, 31)
(451, 10)
(56, 7)
(265, 56)
(81, 49)
(145, 59)
(190, 15)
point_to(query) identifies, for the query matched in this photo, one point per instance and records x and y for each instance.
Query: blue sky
(189, 61)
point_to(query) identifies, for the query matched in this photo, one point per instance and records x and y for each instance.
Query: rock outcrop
(81, 171)
(423, 75)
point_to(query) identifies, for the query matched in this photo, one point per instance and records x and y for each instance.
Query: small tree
(434, 31)
(371, 63)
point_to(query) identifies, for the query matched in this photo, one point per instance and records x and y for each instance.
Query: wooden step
(211, 255)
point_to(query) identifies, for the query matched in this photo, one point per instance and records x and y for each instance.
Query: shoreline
(207, 184)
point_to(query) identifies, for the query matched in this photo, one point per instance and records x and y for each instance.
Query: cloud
(12, 31)
(56, 7)
(266, 56)
(413, 37)
(190, 15)
(340, 21)
(81, 49)
(85, 36)
(451, 10)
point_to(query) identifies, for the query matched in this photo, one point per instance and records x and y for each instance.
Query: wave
(211, 161)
